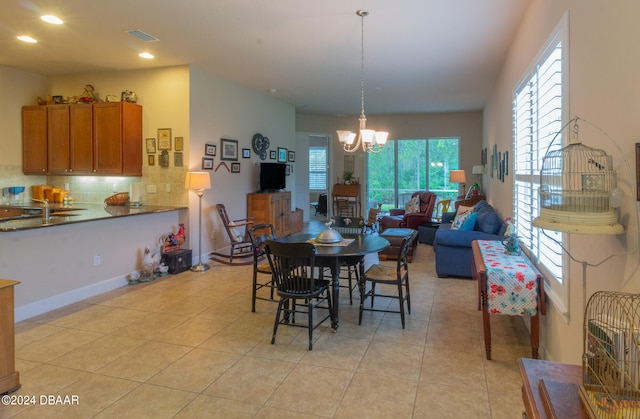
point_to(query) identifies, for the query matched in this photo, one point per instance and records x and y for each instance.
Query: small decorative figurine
(150, 263)
(510, 241)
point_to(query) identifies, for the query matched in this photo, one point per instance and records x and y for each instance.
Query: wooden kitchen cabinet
(117, 130)
(70, 139)
(34, 140)
(271, 208)
(103, 138)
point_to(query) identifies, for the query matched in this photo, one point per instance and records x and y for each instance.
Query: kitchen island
(80, 256)
(31, 218)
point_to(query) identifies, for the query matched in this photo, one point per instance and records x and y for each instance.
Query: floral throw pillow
(458, 222)
(413, 205)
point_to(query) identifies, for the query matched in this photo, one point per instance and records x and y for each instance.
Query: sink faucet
(45, 212)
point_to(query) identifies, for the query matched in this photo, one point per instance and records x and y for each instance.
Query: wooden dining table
(332, 256)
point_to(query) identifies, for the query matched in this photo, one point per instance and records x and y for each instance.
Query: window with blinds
(317, 168)
(538, 115)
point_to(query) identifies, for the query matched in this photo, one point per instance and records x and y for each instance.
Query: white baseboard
(51, 303)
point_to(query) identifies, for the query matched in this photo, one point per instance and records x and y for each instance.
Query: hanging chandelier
(371, 141)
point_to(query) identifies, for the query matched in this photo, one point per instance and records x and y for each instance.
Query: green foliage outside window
(394, 176)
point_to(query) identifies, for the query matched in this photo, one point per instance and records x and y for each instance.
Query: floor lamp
(458, 176)
(198, 181)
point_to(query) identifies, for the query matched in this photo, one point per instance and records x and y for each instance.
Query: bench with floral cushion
(452, 243)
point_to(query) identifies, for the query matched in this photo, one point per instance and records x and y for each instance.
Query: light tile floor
(188, 346)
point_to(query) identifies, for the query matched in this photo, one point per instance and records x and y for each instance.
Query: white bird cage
(611, 358)
(577, 184)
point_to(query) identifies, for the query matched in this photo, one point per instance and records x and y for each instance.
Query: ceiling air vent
(142, 35)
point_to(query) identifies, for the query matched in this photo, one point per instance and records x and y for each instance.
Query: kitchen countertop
(76, 213)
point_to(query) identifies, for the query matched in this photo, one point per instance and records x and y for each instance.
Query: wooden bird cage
(611, 358)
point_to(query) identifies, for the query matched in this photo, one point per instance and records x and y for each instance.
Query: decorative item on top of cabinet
(129, 96)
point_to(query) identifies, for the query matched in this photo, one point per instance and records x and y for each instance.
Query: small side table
(506, 275)
(473, 199)
(427, 232)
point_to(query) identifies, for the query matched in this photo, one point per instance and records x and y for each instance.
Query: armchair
(399, 218)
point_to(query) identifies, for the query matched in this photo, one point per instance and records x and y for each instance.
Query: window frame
(557, 288)
(324, 172)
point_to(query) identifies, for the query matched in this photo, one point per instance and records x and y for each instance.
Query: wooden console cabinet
(9, 377)
(550, 389)
(271, 208)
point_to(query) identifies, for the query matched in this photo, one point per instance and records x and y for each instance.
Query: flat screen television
(272, 177)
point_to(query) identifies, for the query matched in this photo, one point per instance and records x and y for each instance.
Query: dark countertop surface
(76, 213)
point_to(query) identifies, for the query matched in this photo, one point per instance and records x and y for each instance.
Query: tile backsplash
(168, 184)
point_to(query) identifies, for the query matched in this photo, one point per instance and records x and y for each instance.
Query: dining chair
(371, 225)
(259, 234)
(237, 232)
(293, 267)
(349, 225)
(388, 275)
(441, 207)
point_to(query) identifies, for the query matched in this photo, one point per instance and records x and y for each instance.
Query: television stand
(271, 208)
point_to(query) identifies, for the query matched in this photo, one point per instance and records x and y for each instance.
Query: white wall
(222, 109)
(604, 90)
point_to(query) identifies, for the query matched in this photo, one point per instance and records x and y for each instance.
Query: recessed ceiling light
(146, 55)
(29, 39)
(52, 19)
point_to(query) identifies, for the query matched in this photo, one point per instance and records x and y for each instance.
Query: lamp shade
(197, 180)
(457, 176)
(478, 170)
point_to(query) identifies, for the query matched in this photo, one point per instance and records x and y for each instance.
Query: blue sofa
(453, 247)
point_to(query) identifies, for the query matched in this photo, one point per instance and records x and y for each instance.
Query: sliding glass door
(407, 166)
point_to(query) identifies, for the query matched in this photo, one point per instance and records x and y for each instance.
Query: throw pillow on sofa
(470, 223)
(462, 211)
(459, 221)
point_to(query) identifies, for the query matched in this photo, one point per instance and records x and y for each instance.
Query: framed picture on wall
(272, 154)
(177, 159)
(235, 167)
(179, 143)
(151, 145)
(229, 149)
(207, 163)
(164, 138)
(282, 155)
(246, 153)
(209, 149)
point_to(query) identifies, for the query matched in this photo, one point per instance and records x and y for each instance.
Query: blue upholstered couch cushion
(453, 247)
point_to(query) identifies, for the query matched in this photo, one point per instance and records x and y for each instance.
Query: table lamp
(458, 176)
(478, 170)
(198, 181)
